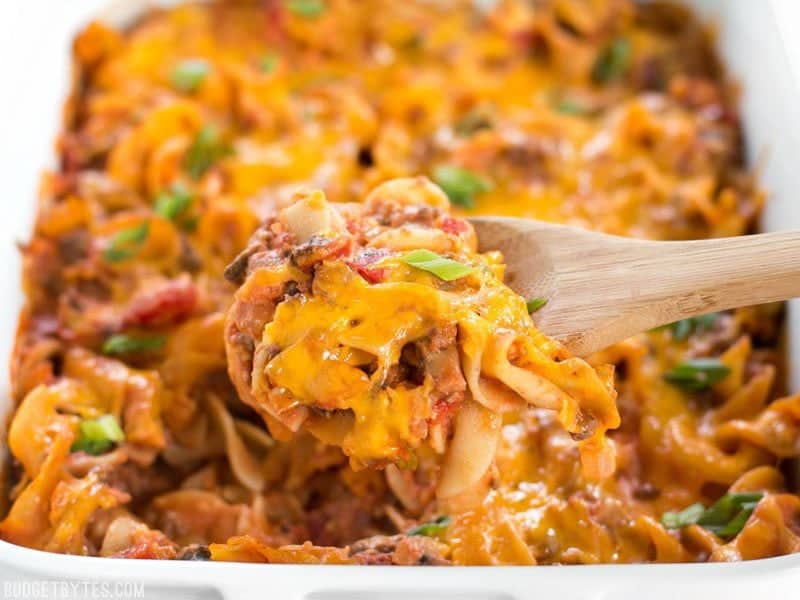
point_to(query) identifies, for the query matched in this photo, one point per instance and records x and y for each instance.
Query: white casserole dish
(754, 44)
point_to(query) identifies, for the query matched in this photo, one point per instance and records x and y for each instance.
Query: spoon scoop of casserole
(380, 329)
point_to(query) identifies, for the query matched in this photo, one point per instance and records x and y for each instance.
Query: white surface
(34, 40)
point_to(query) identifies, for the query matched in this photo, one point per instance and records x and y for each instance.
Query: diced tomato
(316, 250)
(523, 40)
(454, 226)
(158, 548)
(364, 264)
(340, 248)
(355, 227)
(62, 183)
(444, 411)
(167, 304)
(275, 21)
(371, 274)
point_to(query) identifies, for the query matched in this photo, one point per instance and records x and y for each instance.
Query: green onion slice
(96, 436)
(125, 344)
(444, 268)
(189, 75)
(697, 374)
(725, 518)
(571, 107)
(205, 150)
(268, 62)
(432, 528)
(307, 9)
(613, 61)
(461, 185)
(687, 516)
(473, 121)
(681, 330)
(173, 203)
(535, 304)
(127, 242)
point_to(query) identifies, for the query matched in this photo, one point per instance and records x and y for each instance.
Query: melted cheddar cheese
(377, 355)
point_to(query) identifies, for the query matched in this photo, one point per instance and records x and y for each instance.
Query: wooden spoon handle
(709, 275)
(641, 285)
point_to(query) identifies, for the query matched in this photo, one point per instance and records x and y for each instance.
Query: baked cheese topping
(141, 380)
(392, 324)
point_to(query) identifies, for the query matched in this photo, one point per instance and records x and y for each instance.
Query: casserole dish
(755, 114)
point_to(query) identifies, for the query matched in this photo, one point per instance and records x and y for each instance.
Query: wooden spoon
(601, 289)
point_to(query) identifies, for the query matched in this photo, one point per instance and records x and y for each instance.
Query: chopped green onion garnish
(443, 268)
(308, 9)
(127, 242)
(535, 304)
(409, 464)
(205, 150)
(190, 223)
(461, 185)
(437, 526)
(683, 329)
(126, 344)
(613, 61)
(687, 516)
(473, 121)
(172, 204)
(95, 436)
(189, 74)
(722, 516)
(268, 62)
(697, 374)
(571, 107)
(726, 517)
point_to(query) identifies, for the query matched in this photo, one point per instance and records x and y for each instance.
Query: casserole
(756, 114)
